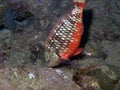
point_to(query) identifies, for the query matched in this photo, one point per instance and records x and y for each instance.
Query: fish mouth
(52, 59)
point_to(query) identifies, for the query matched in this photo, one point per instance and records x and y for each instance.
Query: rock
(5, 85)
(104, 29)
(38, 79)
(113, 59)
(112, 51)
(97, 77)
(5, 34)
(19, 57)
(5, 38)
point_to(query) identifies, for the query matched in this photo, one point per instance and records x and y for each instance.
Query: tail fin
(79, 3)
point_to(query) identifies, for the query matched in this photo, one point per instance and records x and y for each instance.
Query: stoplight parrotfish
(64, 39)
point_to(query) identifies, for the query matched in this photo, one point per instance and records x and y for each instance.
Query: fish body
(64, 39)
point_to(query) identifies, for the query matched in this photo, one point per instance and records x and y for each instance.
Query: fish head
(52, 59)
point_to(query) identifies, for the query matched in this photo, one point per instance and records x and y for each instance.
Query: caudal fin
(79, 3)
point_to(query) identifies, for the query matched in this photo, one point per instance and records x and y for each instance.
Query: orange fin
(79, 50)
(79, 3)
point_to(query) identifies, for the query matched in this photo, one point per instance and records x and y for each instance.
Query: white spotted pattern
(62, 34)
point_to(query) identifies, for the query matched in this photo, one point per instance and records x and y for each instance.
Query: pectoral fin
(79, 50)
(64, 60)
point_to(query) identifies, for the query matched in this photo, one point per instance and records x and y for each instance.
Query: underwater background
(24, 27)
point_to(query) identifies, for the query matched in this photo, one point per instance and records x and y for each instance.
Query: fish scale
(65, 36)
(58, 35)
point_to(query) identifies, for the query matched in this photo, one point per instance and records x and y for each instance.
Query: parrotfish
(65, 37)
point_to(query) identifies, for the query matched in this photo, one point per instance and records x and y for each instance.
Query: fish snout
(52, 59)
